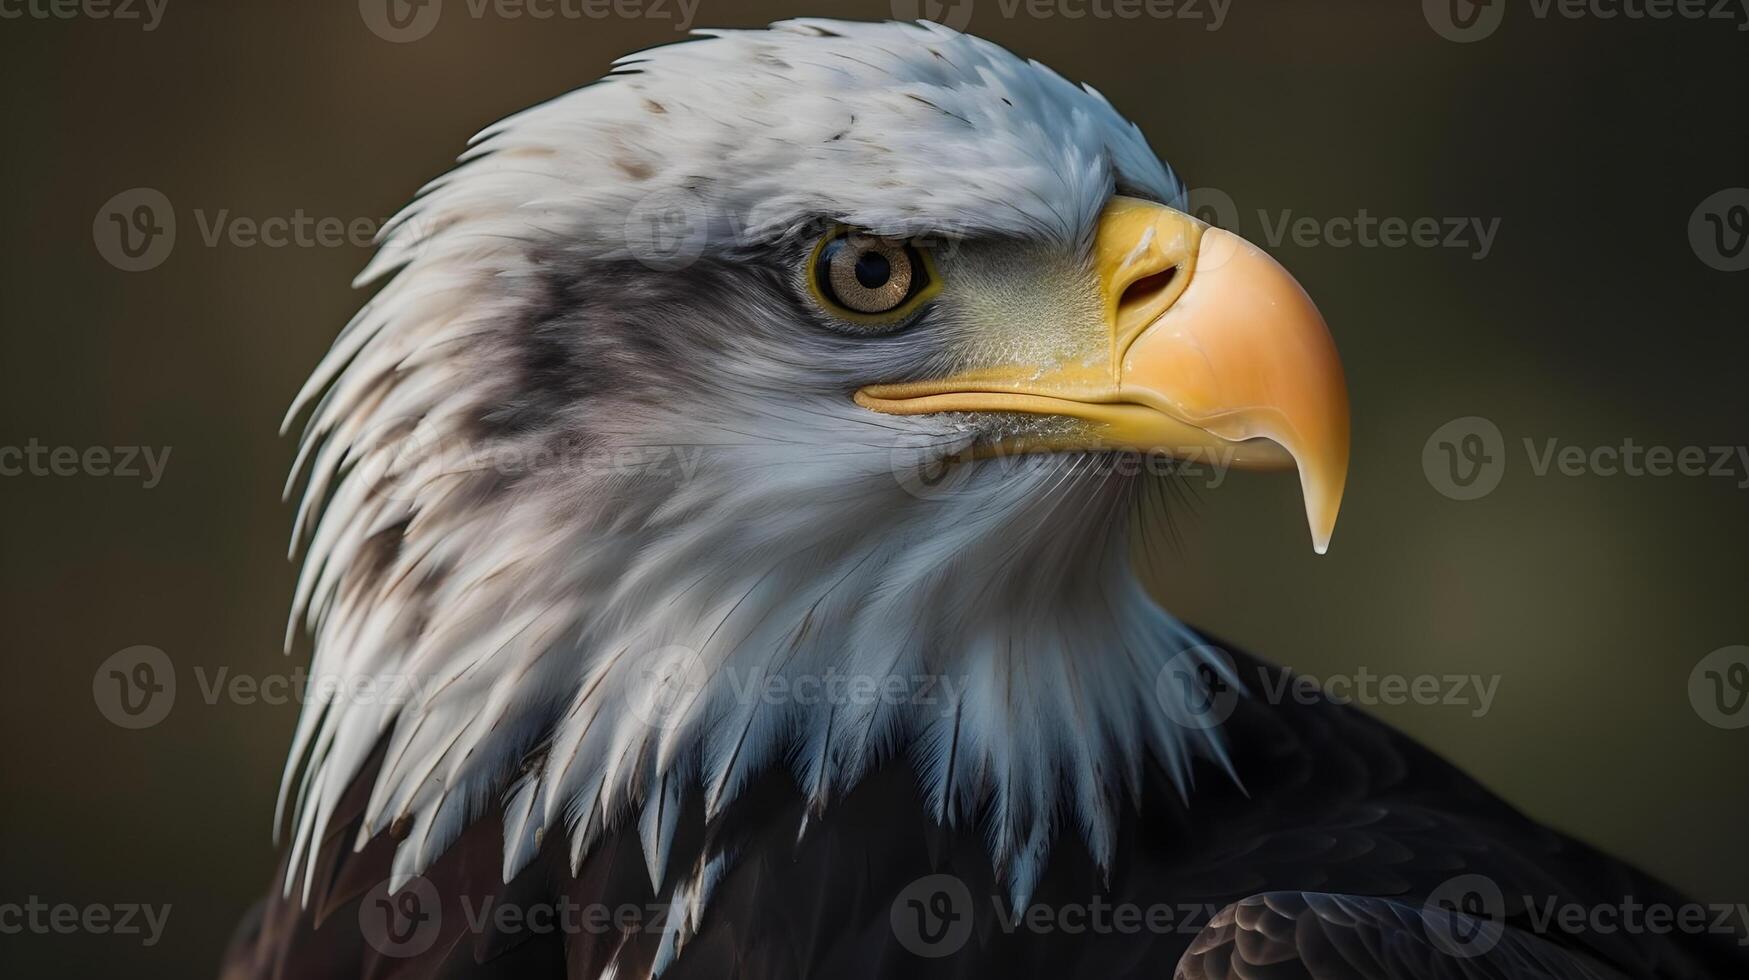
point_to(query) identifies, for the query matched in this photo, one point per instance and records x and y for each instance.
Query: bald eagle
(717, 566)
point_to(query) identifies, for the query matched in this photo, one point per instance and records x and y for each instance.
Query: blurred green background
(1591, 320)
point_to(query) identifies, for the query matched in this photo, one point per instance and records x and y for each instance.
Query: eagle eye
(868, 280)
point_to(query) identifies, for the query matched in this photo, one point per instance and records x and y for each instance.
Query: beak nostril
(1146, 290)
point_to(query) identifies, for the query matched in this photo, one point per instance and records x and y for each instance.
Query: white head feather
(527, 611)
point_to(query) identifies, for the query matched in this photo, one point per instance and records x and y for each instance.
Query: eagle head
(777, 357)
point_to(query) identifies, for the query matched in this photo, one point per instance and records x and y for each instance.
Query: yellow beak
(1213, 347)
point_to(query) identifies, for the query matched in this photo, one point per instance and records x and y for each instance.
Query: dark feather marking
(945, 813)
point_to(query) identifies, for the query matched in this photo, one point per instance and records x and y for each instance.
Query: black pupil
(873, 270)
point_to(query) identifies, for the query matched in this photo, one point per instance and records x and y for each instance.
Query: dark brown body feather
(1321, 866)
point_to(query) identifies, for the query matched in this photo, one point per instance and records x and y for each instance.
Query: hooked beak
(1213, 347)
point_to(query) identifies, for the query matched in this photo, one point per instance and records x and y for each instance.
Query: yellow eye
(869, 280)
